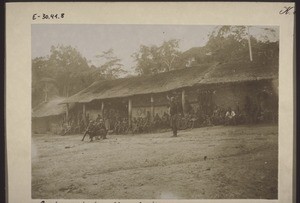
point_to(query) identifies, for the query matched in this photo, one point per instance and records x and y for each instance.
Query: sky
(91, 40)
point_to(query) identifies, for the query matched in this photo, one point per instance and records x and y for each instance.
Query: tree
(112, 67)
(65, 72)
(43, 85)
(169, 53)
(155, 59)
(65, 65)
(147, 60)
(230, 43)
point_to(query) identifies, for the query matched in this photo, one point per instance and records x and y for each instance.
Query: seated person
(124, 126)
(166, 119)
(134, 126)
(194, 118)
(117, 126)
(215, 116)
(146, 125)
(140, 124)
(230, 116)
(98, 118)
(102, 131)
(157, 121)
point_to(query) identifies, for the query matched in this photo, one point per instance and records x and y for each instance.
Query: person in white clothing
(230, 117)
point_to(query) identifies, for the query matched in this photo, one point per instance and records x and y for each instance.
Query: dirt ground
(205, 163)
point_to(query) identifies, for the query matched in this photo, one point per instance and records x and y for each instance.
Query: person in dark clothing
(95, 129)
(173, 114)
(98, 118)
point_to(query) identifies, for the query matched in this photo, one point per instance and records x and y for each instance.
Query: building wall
(142, 111)
(55, 123)
(142, 104)
(93, 113)
(234, 95)
(93, 109)
(39, 125)
(160, 110)
(49, 125)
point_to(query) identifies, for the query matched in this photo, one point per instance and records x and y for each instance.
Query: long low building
(225, 84)
(49, 116)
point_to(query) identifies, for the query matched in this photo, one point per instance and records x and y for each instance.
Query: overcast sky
(91, 40)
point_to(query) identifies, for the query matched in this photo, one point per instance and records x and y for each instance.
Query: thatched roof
(187, 77)
(50, 108)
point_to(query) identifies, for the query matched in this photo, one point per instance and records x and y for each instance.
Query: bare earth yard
(205, 163)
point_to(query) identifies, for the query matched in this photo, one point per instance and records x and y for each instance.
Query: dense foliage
(65, 72)
(225, 43)
(155, 59)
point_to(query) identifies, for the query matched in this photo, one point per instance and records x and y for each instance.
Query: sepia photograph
(149, 111)
(150, 102)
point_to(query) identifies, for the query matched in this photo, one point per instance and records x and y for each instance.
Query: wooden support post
(129, 111)
(183, 101)
(152, 108)
(78, 118)
(102, 109)
(84, 113)
(67, 112)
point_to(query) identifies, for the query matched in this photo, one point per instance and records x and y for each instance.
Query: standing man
(173, 114)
